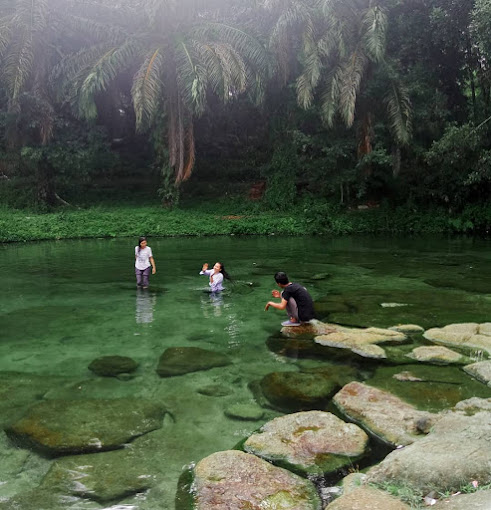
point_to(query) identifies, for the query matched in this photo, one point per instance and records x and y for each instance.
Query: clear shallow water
(66, 303)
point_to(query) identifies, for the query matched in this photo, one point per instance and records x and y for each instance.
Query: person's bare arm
(154, 269)
(279, 306)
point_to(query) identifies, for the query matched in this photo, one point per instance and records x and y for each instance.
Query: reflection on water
(212, 304)
(145, 306)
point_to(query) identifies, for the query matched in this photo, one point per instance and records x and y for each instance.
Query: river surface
(67, 303)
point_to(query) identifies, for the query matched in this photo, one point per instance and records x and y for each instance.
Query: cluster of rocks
(432, 452)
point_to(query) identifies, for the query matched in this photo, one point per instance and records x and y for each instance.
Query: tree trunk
(46, 183)
(396, 161)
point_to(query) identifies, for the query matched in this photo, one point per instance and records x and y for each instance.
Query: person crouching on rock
(294, 298)
(217, 274)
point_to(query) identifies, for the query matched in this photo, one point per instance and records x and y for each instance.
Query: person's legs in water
(292, 312)
(145, 275)
(139, 279)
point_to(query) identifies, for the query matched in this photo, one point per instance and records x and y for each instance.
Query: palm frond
(103, 73)
(147, 89)
(330, 97)
(399, 111)
(5, 34)
(350, 76)
(375, 25)
(18, 65)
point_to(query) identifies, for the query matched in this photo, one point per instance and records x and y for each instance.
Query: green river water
(67, 303)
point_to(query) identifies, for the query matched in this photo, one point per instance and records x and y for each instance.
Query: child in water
(217, 275)
(143, 261)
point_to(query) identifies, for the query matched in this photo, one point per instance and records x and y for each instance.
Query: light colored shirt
(142, 260)
(216, 285)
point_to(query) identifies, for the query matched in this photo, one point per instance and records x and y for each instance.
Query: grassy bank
(229, 217)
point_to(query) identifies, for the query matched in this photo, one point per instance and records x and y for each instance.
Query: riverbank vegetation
(295, 116)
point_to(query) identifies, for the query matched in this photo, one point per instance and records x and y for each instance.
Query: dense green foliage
(310, 107)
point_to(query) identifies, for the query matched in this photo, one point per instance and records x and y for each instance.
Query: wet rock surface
(112, 366)
(60, 427)
(183, 360)
(234, 479)
(437, 355)
(371, 408)
(456, 451)
(313, 442)
(407, 329)
(480, 371)
(246, 411)
(367, 498)
(364, 342)
(470, 335)
(297, 391)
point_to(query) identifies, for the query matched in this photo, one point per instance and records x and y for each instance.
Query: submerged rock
(60, 427)
(298, 391)
(38, 499)
(455, 452)
(437, 355)
(469, 335)
(383, 414)
(112, 366)
(101, 477)
(234, 479)
(182, 360)
(367, 498)
(407, 376)
(313, 442)
(19, 390)
(214, 390)
(244, 411)
(480, 371)
(480, 500)
(364, 342)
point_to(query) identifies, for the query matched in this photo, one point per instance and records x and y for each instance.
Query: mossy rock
(298, 391)
(245, 411)
(112, 366)
(61, 427)
(183, 360)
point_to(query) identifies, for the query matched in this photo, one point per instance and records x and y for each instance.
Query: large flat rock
(480, 500)
(469, 335)
(437, 355)
(237, 480)
(313, 442)
(455, 452)
(383, 414)
(363, 342)
(367, 498)
(182, 360)
(60, 427)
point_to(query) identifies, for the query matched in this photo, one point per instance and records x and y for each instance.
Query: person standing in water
(294, 298)
(143, 262)
(217, 274)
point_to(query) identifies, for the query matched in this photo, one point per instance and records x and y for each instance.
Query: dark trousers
(142, 276)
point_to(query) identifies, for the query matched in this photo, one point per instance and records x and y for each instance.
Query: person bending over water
(294, 298)
(217, 274)
(143, 261)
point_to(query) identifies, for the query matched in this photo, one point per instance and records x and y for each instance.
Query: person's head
(281, 279)
(142, 242)
(221, 269)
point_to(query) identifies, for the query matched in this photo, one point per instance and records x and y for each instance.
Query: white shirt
(142, 260)
(216, 285)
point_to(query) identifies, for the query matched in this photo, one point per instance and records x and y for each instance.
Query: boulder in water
(112, 366)
(60, 427)
(367, 498)
(183, 360)
(234, 479)
(437, 355)
(309, 443)
(383, 414)
(456, 451)
(469, 335)
(480, 371)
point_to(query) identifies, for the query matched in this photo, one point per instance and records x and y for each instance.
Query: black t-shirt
(302, 297)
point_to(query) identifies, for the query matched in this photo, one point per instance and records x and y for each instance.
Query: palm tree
(177, 53)
(342, 44)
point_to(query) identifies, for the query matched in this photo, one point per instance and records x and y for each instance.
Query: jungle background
(250, 116)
